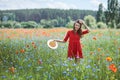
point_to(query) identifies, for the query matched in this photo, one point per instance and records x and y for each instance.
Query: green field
(24, 55)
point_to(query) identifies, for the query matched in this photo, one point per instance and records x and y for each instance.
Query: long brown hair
(79, 32)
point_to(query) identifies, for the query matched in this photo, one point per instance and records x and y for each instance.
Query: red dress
(74, 47)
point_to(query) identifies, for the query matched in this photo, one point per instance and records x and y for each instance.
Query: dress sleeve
(85, 32)
(66, 36)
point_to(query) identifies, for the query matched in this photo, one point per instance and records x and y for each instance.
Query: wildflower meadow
(24, 55)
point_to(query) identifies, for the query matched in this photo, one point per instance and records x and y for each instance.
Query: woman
(74, 47)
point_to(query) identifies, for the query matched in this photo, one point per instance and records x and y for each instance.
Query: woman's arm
(82, 22)
(86, 27)
(62, 41)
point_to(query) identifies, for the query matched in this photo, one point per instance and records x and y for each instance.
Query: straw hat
(52, 44)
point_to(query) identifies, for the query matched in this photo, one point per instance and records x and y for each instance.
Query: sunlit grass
(24, 55)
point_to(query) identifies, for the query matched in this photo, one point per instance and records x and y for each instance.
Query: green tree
(70, 24)
(47, 23)
(68, 19)
(8, 16)
(0, 15)
(29, 24)
(90, 21)
(54, 22)
(113, 12)
(119, 13)
(100, 14)
(61, 21)
(101, 25)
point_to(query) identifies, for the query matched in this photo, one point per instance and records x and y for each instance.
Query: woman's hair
(79, 30)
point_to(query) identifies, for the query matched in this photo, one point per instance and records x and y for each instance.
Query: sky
(54, 4)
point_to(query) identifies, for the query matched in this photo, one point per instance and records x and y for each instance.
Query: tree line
(38, 14)
(46, 17)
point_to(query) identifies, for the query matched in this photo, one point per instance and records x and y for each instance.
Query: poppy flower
(113, 68)
(33, 43)
(108, 59)
(99, 49)
(12, 70)
(22, 50)
(94, 38)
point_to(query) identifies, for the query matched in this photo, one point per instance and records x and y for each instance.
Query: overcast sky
(59, 4)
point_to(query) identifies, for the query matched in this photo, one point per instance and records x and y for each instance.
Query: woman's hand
(81, 21)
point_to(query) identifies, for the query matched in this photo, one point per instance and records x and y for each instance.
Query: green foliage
(0, 24)
(40, 26)
(47, 23)
(7, 24)
(68, 19)
(55, 23)
(100, 14)
(61, 22)
(90, 21)
(112, 24)
(7, 16)
(52, 17)
(118, 26)
(113, 10)
(101, 25)
(29, 24)
(70, 24)
(17, 25)
(48, 14)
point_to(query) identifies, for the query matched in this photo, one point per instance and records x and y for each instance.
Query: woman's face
(77, 26)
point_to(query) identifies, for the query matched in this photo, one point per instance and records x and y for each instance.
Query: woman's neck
(75, 31)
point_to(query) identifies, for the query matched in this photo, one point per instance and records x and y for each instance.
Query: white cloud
(18, 4)
(97, 2)
(3, 0)
(23, 4)
(61, 5)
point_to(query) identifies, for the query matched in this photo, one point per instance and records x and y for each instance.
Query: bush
(47, 23)
(6, 24)
(112, 24)
(40, 26)
(29, 24)
(17, 25)
(118, 26)
(70, 24)
(0, 24)
(90, 21)
(101, 25)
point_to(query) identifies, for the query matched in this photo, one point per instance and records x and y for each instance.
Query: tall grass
(24, 55)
